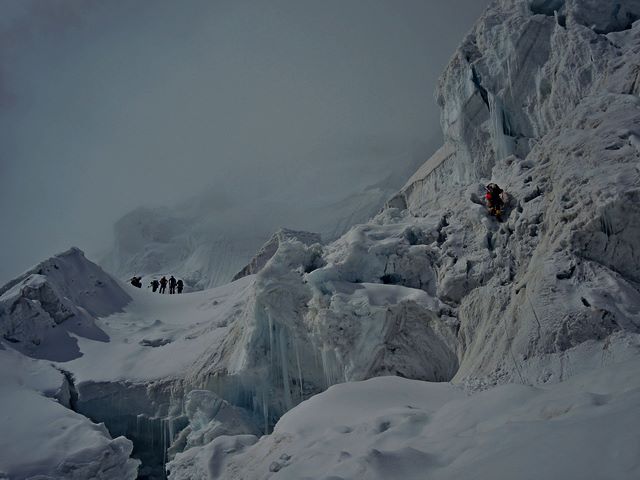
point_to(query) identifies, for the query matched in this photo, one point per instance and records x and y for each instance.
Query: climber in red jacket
(495, 204)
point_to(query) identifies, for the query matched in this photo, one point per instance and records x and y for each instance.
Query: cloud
(105, 106)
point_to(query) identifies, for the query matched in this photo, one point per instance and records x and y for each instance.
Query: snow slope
(159, 336)
(390, 427)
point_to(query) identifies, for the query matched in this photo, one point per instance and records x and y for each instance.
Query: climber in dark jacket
(154, 285)
(172, 285)
(136, 281)
(180, 286)
(163, 285)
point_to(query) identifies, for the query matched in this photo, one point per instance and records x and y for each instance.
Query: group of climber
(160, 286)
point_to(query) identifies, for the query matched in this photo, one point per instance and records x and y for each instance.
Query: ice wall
(541, 97)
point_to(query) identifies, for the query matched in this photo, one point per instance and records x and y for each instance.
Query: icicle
(285, 369)
(271, 341)
(138, 424)
(265, 411)
(163, 441)
(295, 344)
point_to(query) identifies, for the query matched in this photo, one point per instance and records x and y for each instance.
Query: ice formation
(269, 249)
(534, 320)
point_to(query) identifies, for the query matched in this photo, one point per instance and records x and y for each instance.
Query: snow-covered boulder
(211, 417)
(269, 249)
(41, 310)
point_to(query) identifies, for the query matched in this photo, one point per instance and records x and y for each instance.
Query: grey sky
(108, 105)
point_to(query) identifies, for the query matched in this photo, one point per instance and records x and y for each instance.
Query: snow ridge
(61, 296)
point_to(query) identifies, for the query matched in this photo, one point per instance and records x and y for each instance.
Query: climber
(136, 281)
(154, 285)
(163, 285)
(180, 286)
(495, 204)
(172, 285)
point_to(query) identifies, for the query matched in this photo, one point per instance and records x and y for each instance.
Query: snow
(390, 427)
(535, 319)
(42, 438)
(182, 327)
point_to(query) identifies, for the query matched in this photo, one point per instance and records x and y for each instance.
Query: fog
(106, 106)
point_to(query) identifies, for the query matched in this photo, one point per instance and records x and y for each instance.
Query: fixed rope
(513, 357)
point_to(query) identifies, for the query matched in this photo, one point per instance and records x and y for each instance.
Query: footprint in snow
(157, 342)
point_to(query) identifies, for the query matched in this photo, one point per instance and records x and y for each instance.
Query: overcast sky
(109, 105)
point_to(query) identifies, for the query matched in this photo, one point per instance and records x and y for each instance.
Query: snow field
(389, 427)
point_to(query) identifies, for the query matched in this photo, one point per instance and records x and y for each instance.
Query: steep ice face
(546, 105)
(523, 67)
(61, 296)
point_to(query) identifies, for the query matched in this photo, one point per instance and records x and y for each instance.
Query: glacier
(427, 338)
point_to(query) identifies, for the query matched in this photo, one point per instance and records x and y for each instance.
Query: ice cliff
(542, 98)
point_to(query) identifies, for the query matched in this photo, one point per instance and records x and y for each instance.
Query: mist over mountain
(107, 107)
